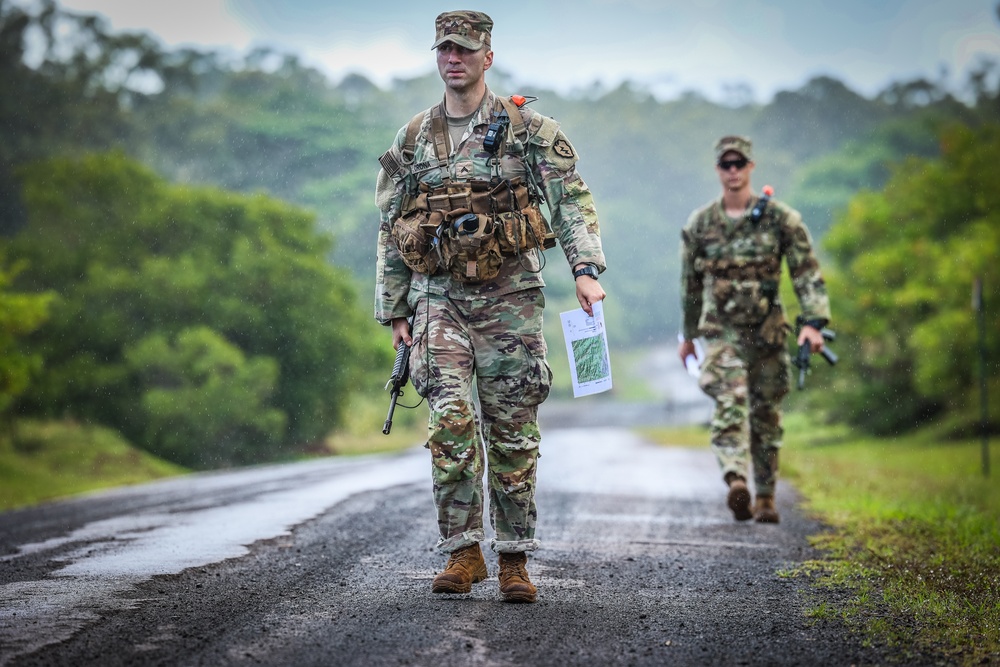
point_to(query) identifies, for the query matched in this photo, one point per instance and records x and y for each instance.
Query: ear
(488, 61)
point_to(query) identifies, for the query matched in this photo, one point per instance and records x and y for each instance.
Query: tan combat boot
(739, 497)
(465, 567)
(764, 511)
(514, 583)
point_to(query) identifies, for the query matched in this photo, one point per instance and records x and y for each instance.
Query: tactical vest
(466, 227)
(744, 287)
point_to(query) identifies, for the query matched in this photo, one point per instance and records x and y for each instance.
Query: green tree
(20, 314)
(138, 257)
(205, 405)
(905, 259)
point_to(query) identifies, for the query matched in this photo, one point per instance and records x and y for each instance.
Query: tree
(905, 259)
(20, 314)
(138, 257)
(205, 405)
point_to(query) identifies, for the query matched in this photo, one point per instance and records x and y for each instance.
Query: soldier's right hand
(685, 349)
(400, 332)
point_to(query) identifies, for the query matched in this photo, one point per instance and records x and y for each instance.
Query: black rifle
(805, 350)
(400, 375)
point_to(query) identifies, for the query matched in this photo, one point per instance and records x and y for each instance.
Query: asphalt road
(330, 563)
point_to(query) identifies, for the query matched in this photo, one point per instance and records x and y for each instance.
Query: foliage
(20, 314)
(905, 260)
(233, 292)
(205, 405)
(42, 461)
(265, 122)
(912, 534)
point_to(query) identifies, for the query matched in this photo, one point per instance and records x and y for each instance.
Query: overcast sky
(668, 45)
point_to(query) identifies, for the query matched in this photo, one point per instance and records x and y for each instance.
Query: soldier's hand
(686, 349)
(589, 292)
(400, 332)
(813, 336)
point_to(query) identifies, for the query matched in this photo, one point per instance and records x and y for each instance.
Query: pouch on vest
(740, 302)
(472, 246)
(519, 223)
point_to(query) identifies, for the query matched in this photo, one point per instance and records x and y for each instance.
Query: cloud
(178, 22)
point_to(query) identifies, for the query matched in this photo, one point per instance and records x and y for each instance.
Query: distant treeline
(141, 271)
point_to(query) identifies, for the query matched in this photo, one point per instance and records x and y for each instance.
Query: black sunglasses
(739, 163)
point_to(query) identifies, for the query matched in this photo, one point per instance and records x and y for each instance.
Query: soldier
(731, 267)
(459, 254)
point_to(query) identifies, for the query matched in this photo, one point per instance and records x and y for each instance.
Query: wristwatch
(589, 270)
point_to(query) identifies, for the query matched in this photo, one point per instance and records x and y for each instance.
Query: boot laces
(465, 556)
(513, 569)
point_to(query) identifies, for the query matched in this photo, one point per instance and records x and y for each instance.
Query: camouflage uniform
(729, 289)
(483, 338)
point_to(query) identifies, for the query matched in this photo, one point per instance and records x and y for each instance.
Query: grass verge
(912, 534)
(361, 432)
(46, 460)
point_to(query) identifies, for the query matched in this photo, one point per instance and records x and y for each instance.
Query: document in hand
(587, 347)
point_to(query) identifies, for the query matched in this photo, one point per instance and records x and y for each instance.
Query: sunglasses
(726, 165)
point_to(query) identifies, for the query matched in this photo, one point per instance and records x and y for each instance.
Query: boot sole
(519, 596)
(454, 587)
(739, 502)
(766, 517)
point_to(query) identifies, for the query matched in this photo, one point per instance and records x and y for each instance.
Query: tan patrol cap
(741, 145)
(464, 27)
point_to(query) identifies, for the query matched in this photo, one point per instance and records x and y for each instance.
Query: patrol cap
(464, 27)
(741, 145)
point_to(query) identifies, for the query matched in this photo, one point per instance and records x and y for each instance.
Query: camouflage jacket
(551, 159)
(730, 272)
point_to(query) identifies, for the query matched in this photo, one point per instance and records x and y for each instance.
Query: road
(329, 562)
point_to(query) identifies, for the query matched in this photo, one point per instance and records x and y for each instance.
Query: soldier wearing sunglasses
(732, 250)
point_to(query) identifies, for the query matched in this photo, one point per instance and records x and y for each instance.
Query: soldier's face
(734, 170)
(460, 68)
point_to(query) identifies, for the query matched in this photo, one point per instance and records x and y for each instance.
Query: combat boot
(764, 511)
(465, 567)
(739, 497)
(514, 583)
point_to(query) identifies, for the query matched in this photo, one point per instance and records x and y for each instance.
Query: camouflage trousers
(488, 351)
(747, 382)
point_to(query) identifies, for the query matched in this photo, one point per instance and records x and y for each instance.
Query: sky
(668, 46)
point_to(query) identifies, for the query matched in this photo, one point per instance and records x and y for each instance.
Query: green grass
(912, 532)
(361, 432)
(46, 460)
(42, 461)
(694, 437)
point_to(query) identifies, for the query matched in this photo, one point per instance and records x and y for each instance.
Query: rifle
(805, 350)
(400, 375)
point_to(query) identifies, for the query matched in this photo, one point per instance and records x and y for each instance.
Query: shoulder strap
(412, 130)
(516, 120)
(439, 132)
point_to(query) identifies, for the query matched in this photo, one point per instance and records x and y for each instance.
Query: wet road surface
(330, 563)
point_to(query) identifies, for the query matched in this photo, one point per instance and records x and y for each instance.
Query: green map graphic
(591, 359)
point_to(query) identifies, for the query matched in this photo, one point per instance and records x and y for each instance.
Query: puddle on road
(613, 460)
(116, 554)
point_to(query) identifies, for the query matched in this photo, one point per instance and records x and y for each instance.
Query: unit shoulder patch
(563, 148)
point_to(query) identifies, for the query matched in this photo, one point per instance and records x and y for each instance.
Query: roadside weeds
(911, 550)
